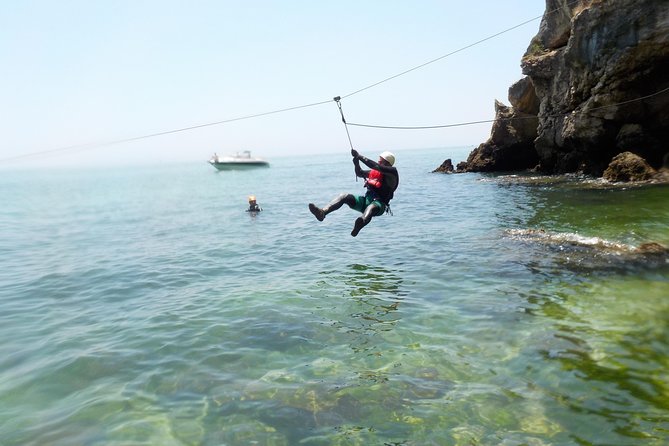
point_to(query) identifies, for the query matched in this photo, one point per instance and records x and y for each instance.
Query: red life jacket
(374, 179)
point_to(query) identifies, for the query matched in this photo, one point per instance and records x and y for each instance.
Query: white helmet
(388, 157)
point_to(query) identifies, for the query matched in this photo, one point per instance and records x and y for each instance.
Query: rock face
(510, 146)
(596, 86)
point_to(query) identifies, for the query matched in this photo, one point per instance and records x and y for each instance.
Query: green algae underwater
(144, 306)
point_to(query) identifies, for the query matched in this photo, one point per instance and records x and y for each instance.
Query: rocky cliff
(596, 85)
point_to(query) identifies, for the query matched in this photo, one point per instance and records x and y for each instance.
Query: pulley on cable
(337, 99)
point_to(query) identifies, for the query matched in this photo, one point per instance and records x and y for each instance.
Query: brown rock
(510, 146)
(446, 167)
(627, 166)
(523, 97)
(653, 248)
(555, 28)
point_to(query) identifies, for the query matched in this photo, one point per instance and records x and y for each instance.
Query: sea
(145, 306)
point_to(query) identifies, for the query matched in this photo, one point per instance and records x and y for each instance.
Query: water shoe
(359, 223)
(318, 212)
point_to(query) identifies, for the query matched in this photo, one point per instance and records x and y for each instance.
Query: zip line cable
(440, 58)
(90, 146)
(462, 124)
(152, 135)
(417, 67)
(466, 47)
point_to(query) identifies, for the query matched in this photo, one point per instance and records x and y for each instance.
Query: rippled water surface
(144, 306)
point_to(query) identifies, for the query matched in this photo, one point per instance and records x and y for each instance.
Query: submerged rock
(583, 253)
(653, 248)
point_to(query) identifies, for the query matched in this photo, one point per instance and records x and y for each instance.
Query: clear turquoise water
(143, 306)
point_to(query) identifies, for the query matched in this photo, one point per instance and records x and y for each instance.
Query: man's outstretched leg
(361, 222)
(332, 206)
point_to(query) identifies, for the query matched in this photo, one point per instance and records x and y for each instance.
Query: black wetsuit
(391, 178)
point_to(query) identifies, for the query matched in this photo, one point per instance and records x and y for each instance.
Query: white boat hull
(243, 161)
(238, 165)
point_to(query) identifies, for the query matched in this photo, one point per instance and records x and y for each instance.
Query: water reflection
(374, 296)
(365, 280)
(611, 355)
(325, 399)
(601, 343)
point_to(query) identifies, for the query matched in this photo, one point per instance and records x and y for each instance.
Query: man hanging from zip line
(381, 182)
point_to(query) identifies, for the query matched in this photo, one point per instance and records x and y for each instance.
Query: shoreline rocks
(595, 87)
(446, 167)
(593, 253)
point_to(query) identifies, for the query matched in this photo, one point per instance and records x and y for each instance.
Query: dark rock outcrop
(510, 146)
(596, 86)
(446, 167)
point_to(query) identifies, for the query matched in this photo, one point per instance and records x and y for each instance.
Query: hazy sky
(88, 72)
